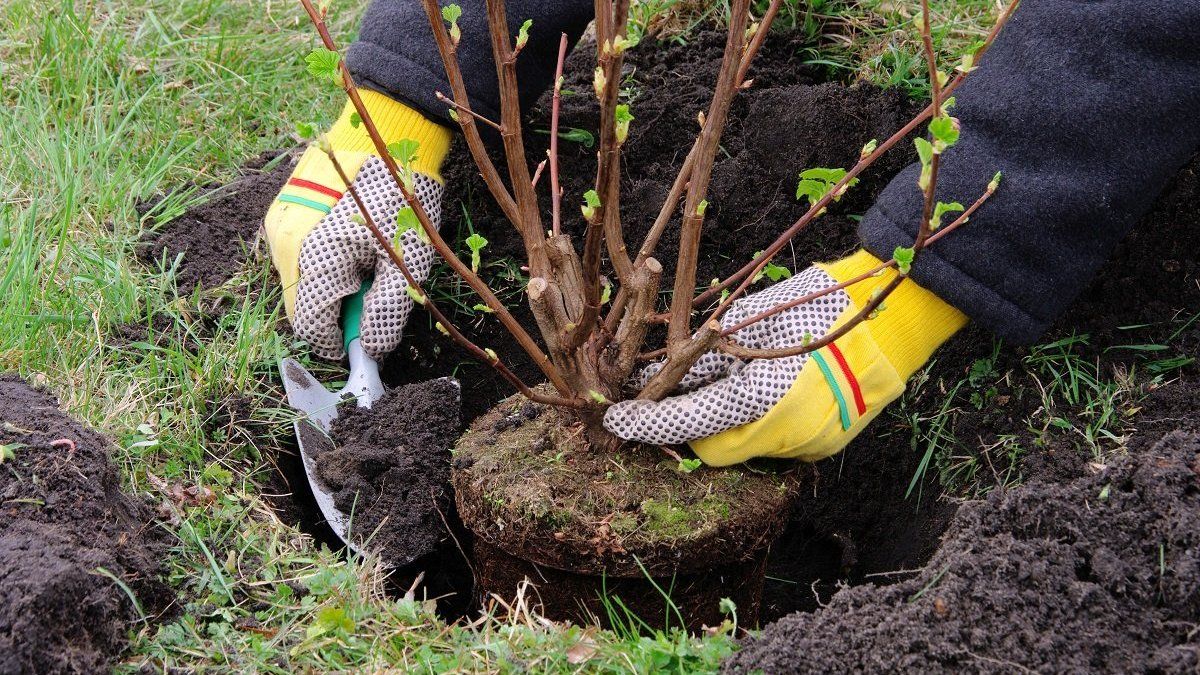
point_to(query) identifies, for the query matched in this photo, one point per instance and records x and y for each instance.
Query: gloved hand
(322, 255)
(807, 406)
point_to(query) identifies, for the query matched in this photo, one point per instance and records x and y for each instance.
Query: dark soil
(855, 523)
(525, 481)
(390, 467)
(64, 519)
(753, 185)
(1098, 574)
(214, 236)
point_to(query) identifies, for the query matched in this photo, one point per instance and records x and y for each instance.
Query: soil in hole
(390, 468)
(66, 529)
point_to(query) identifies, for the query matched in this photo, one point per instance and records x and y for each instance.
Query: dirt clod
(213, 237)
(1100, 574)
(66, 530)
(390, 467)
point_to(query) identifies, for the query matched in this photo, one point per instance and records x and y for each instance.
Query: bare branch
(467, 122)
(464, 109)
(555, 107)
(451, 330)
(435, 238)
(693, 218)
(529, 220)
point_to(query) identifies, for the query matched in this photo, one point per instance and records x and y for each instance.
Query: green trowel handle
(352, 310)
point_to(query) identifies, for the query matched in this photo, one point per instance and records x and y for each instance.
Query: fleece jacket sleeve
(1088, 107)
(396, 53)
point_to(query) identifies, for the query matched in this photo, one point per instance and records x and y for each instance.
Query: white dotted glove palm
(721, 392)
(339, 253)
(323, 250)
(807, 406)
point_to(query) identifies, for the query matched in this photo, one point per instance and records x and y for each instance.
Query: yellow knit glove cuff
(395, 121)
(914, 322)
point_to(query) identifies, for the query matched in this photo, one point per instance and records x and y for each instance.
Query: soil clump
(66, 531)
(215, 236)
(1098, 574)
(389, 467)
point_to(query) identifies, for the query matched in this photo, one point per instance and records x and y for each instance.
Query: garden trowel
(319, 407)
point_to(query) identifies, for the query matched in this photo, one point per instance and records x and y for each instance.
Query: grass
(106, 104)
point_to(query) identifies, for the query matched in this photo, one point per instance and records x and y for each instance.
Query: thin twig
(456, 335)
(439, 244)
(555, 106)
(464, 109)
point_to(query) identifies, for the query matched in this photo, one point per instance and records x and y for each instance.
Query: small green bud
(523, 34)
(904, 259)
(416, 295)
(441, 329)
(995, 183)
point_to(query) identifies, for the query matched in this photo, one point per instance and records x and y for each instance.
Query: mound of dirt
(213, 237)
(1099, 574)
(66, 531)
(390, 467)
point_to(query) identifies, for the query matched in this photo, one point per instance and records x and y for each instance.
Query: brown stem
(464, 109)
(679, 328)
(439, 244)
(752, 268)
(679, 362)
(671, 203)
(555, 106)
(530, 217)
(453, 332)
(491, 177)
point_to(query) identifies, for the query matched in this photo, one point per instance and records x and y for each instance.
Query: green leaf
(623, 118)
(941, 209)
(480, 307)
(355, 120)
(491, 353)
(592, 199)
(868, 148)
(476, 243)
(606, 293)
(995, 183)
(689, 465)
(406, 219)
(777, 272)
(404, 151)
(727, 606)
(702, 207)
(441, 329)
(581, 136)
(823, 174)
(8, 451)
(904, 258)
(598, 397)
(523, 33)
(305, 130)
(924, 150)
(451, 14)
(945, 132)
(334, 619)
(323, 63)
(818, 182)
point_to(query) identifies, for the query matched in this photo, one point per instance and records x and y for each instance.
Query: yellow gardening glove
(322, 255)
(808, 406)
